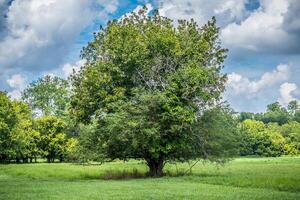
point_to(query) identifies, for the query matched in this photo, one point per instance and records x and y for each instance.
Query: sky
(40, 37)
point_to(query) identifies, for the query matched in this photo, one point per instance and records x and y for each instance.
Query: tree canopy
(150, 85)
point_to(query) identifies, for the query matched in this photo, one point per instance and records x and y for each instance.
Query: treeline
(41, 126)
(272, 133)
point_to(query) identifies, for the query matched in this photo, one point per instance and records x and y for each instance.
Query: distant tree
(291, 131)
(24, 137)
(8, 120)
(258, 116)
(294, 110)
(293, 107)
(260, 139)
(54, 144)
(151, 87)
(276, 113)
(47, 96)
(246, 115)
(274, 107)
(297, 116)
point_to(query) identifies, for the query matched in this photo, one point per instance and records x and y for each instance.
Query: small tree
(53, 143)
(150, 86)
(25, 138)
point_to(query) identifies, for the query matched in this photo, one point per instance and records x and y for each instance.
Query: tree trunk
(155, 167)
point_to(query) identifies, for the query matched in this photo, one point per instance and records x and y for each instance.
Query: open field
(242, 178)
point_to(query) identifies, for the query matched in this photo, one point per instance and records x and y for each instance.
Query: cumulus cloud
(253, 94)
(274, 27)
(17, 83)
(242, 85)
(39, 33)
(268, 29)
(69, 68)
(286, 93)
(226, 11)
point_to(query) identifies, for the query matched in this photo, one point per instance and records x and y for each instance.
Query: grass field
(242, 178)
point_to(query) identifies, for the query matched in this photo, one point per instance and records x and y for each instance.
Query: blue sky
(39, 37)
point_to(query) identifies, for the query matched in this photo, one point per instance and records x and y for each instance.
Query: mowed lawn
(242, 178)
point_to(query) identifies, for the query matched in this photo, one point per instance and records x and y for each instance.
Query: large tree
(152, 86)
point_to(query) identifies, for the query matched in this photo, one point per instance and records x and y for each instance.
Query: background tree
(294, 110)
(25, 138)
(149, 86)
(47, 96)
(54, 144)
(276, 113)
(246, 115)
(8, 119)
(291, 131)
(260, 139)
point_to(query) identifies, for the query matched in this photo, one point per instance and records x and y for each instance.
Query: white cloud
(263, 30)
(15, 94)
(17, 83)
(286, 90)
(226, 11)
(272, 28)
(69, 68)
(242, 85)
(40, 33)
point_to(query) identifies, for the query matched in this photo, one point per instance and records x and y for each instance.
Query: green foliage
(8, 120)
(47, 96)
(246, 115)
(291, 131)
(148, 85)
(217, 134)
(275, 132)
(54, 143)
(293, 107)
(25, 138)
(276, 113)
(260, 139)
(19, 140)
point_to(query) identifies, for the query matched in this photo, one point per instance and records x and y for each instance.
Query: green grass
(242, 178)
